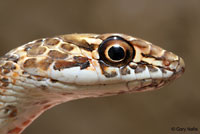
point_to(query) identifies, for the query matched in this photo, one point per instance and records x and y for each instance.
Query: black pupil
(116, 52)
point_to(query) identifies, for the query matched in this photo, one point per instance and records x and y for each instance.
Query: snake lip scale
(46, 72)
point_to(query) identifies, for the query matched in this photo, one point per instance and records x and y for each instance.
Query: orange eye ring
(116, 51)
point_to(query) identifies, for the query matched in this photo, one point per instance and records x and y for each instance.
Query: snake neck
(17, 118)
(16, 115)
(21, 102)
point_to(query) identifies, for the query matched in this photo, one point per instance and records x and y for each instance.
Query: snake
(49, 71)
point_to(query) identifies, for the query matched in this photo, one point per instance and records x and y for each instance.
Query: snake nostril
(166, 62)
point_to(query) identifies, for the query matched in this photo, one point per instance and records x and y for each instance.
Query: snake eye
(116, 51)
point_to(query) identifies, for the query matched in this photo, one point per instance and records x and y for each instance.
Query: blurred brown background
(173, 25)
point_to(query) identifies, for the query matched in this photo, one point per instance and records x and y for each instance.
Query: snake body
(46, 72)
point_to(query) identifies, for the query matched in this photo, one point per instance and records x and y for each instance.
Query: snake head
(108, 62)
(91, 60)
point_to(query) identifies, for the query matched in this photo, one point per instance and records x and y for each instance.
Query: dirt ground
(172, 24)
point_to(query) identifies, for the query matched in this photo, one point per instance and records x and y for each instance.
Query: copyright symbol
(173, 128)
